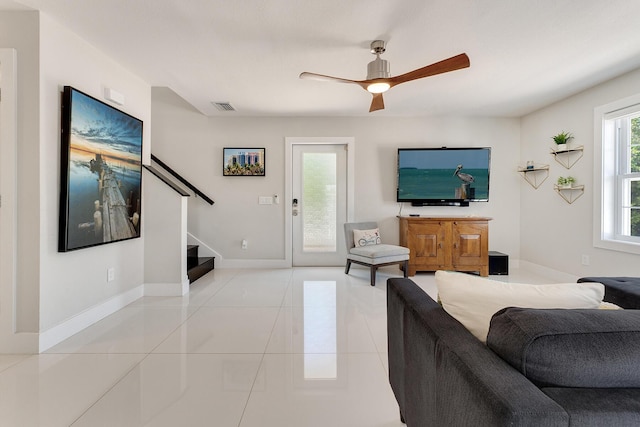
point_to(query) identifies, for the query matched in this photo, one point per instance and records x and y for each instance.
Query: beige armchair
(370, 251)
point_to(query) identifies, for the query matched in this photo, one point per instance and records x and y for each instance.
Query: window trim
(605, 189)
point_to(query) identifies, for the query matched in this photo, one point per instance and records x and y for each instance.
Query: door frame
(349, 143)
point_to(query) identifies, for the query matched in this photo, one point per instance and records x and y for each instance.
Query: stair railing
(177, 176)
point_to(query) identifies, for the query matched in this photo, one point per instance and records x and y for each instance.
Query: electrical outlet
(585, 260)
(111, 274)
(244, 244)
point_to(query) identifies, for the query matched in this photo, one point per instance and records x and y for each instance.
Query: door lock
(294, 205)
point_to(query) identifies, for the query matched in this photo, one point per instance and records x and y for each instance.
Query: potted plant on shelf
(561, 140)
(566, 182)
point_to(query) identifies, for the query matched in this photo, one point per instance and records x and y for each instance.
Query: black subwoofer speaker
(498, 263)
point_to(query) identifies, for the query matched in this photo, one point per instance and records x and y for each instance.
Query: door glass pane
(319, 202)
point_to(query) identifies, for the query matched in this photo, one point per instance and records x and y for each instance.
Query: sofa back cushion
(472, 300)
(570, 348)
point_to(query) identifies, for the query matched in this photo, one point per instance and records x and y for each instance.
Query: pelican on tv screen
(443, 176)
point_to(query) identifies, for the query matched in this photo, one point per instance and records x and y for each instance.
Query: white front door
(318, 204)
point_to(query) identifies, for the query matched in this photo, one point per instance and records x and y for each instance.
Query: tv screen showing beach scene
(101, 173)
(443, 174)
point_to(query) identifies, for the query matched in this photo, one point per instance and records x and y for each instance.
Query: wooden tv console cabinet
(446, 243)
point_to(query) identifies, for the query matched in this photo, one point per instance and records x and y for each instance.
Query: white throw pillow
(473, 300)
(366, 237)
(609, 306)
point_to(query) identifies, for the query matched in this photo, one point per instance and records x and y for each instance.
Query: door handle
(294, 205)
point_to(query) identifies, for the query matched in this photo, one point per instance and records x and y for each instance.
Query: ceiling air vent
(223, 106)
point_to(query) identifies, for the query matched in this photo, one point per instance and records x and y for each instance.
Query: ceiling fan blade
(377, 103)
(323, 78)
(451, 64)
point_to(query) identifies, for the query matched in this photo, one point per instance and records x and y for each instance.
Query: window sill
(618, 245)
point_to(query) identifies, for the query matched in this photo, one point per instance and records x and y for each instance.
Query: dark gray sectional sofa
(539, 367)
(622, 291)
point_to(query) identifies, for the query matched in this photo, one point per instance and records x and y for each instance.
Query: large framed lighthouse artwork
(101, 173)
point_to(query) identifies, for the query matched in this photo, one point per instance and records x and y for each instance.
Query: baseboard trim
(166, 289)
(556, 275)
(252, 263)
(72, 326)
(204, 250)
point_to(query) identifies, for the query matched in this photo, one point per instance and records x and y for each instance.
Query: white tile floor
(246, 348)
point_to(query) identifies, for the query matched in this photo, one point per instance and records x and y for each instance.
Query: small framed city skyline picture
(243, 161)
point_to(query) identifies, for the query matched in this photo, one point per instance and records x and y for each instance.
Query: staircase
(197, 266)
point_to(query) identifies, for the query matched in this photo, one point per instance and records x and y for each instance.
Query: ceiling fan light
(378, 87)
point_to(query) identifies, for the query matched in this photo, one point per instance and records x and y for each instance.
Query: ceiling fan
(378, 80)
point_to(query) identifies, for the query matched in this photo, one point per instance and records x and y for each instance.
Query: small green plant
(562, 138)
(566, 181)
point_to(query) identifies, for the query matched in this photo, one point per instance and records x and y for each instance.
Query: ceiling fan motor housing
(378, 69)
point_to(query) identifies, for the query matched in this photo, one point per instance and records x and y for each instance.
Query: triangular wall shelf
(570, 194)
(568, 157)
(535, 176)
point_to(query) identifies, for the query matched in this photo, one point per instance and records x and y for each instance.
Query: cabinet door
(426, 240)
(470, 246)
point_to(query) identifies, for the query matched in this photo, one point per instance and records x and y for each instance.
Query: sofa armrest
(442, 375)
(402, 295)
(487, 390)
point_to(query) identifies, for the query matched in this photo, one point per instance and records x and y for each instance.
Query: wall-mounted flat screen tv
(443, 176)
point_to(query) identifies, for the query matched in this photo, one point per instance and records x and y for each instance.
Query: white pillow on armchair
(366, 237)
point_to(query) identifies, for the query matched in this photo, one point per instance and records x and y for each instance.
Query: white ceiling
(524, 54)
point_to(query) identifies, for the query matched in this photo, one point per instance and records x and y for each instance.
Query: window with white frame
(617, 209)
(628, 177)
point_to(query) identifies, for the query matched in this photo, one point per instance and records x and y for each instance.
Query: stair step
(192, 251)
(192, 262)
(198, 267)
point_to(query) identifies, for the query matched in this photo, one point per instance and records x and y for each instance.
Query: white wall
(192, 145)
(74, 282)
(165, 243)
(553, 233)
(19, 30)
